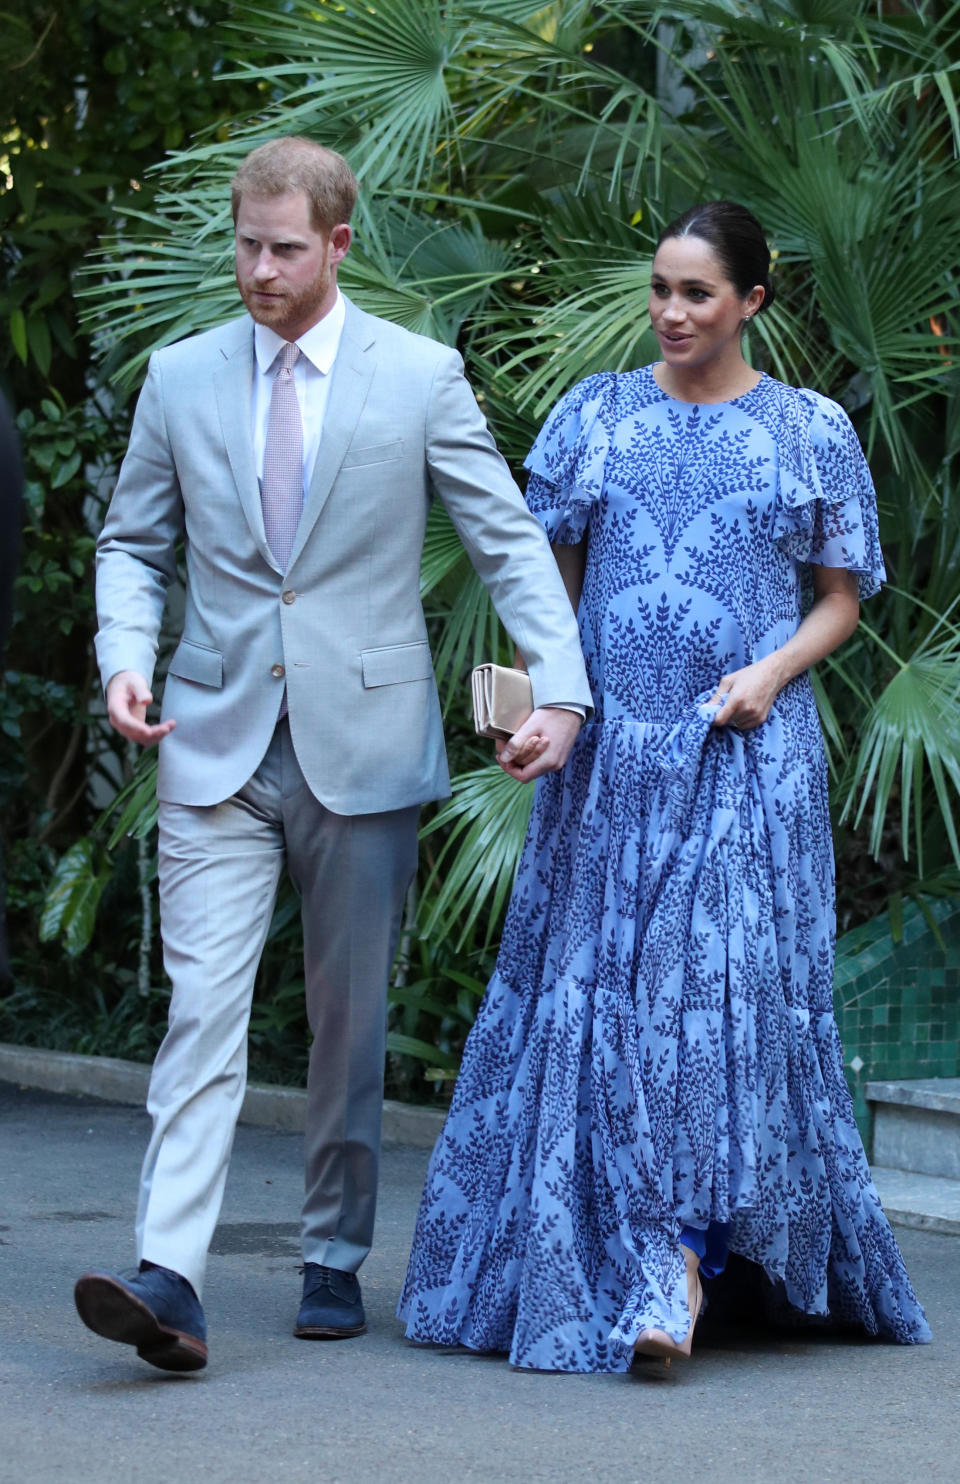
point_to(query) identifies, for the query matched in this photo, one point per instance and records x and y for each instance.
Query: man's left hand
(541, 745)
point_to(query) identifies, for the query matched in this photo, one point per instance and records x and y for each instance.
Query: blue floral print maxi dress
(657, 1046)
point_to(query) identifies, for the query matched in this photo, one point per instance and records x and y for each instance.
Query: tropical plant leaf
(471, 634)
(134, 809)
(487, 820)
(385, 66)
(71, 900)
(599, 325)
(401, 1045)
(912, 732)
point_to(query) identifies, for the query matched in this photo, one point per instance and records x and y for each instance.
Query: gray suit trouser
(219, 871)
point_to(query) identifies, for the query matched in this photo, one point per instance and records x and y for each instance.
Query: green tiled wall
(898, 1004)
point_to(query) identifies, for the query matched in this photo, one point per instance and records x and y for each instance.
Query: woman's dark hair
(737, 239)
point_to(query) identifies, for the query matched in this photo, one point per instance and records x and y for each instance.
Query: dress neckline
(681, 402)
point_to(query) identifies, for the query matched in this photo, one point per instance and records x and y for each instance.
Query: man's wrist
(565, 706)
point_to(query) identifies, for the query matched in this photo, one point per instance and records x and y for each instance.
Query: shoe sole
(112, 1311)
(327, 1332)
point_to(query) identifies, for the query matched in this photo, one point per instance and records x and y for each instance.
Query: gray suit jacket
(343, 627)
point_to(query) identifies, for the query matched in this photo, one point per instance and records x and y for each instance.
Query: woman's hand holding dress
(748, 694)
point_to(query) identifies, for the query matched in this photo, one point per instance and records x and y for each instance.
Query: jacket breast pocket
(396, 663)
(196, 662)
(377, 453)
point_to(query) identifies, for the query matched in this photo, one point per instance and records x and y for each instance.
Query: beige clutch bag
(502, 700)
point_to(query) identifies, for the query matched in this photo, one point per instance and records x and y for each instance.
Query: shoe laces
(316, 1276)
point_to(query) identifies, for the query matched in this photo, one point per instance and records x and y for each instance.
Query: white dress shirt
(311, 375)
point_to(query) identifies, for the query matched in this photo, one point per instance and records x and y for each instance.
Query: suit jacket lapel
(351, 375)
(233, 381)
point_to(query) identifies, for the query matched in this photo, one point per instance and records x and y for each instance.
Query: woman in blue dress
(655, 1076)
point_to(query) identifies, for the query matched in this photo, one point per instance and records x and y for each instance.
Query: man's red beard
(283, 307)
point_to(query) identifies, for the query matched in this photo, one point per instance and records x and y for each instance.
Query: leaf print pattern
(657, 1046)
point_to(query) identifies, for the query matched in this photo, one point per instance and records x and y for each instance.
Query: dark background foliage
(93, 91)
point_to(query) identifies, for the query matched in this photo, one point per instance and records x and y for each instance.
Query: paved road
(78, 1410)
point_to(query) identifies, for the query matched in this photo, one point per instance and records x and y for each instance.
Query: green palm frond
(175, 289)
(760, 49)
(860, 277)
(873, 63)
(833, 737)
(578, 306)
(600, 325)
(443, 550)
(920, 50)
(792, 350)
(384, 66)
(860, 227)
(470, 632)
(134, 810)
(426, 274)
(473, 873)
(913, 730)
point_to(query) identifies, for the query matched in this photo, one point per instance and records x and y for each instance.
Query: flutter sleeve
(826, 508)
(566, 463)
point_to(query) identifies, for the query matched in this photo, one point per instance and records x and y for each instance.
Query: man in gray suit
(297, 450)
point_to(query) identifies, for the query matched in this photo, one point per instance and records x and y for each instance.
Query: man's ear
(340, 239)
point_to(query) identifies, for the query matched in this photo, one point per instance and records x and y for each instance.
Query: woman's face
(696, 313)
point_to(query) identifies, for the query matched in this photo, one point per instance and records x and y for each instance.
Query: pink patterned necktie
(282, 491)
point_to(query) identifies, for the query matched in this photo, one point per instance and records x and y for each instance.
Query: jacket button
(289, 596)
(277, 671)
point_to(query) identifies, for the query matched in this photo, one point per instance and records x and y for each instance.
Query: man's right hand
(128, 697)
